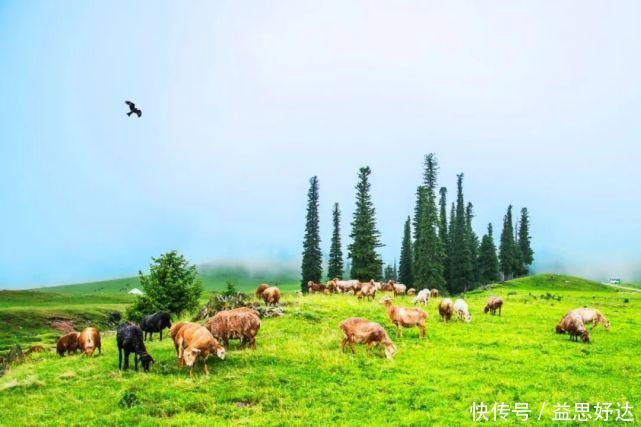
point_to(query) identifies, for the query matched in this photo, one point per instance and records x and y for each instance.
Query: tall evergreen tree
(524, 243)
(366, 262)
(395, 271)
(312, 265)
(335, 264)
(430, 173)
(507, 251)
(388, 273)
(450, 233)
(405, 266)
(473, 242)
(443, 234)
(488, 261)
(460, 257)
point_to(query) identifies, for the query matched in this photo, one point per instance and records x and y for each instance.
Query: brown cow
(68, 343)
(240, 323)
(196, 342)
(89, 341)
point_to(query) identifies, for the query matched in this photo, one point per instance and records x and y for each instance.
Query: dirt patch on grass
(62, 325)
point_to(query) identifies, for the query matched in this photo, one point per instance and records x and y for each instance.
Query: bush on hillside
(172, 285)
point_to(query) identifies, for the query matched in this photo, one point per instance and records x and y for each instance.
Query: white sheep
(422, 297)
(462, 310)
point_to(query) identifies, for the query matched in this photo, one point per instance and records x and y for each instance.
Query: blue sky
(539, 103)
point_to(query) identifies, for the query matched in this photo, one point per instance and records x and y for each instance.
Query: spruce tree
(335, 263)
(395, 271)
(488, 261)
(460, 257)
(524, 243)
(312, 265)
(443, 234)
(366, 263)
(429, 252)
(405, 270)
(388, 273)
(473, 242)
(507, 247)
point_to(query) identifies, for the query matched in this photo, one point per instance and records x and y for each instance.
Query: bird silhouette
(133, 109)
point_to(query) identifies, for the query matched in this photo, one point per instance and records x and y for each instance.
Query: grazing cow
(315, 287)
(260, 288)
(405, 317)
(155, 323)
(89, 341)
(68, 343)
(593, 316)
(362, 331)
(196, 342)
(240, 323)
(446, 309)
(572, 323)
(493, 304)
(423, 297)
(462, 310)
(129, 338)
(411, 292)
(434, 293)
(271, 295)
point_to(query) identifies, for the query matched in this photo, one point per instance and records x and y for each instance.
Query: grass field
(297, 375)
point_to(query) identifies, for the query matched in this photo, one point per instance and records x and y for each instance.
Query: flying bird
(133, 109)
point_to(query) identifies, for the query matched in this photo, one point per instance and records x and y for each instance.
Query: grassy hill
(297, 375)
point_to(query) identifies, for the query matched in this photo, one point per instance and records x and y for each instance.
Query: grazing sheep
(493, 304)
(411, 292)
(362, 331)
(155, 323)
(271, 295)
(434, 293)
(462, 310)
(405, 317)
(315, 287)
(387, 287)
(175, 330)
(196, 342)
(240, 323)
(129, 338)
(399, 288)
(89, 341)
(423, 297)
(593, 316)
(68, 343)
(344, 286)
(368, 290)
(572, 323)
(331, 286)
(260, 288)
(446, 309)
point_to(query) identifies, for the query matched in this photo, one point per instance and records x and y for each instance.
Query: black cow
(129, 338)
(155, 323)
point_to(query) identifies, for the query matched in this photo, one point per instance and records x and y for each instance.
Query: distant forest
(438, 250)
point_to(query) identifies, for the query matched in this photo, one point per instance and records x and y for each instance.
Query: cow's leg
(351, 346)
(369, 348)
(126, 365)
(343, 342)
(119, 358)
(161, 335)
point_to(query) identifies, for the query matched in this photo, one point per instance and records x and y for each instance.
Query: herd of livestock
(194, 342)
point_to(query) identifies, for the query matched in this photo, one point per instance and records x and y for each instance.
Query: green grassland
(298, 376)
